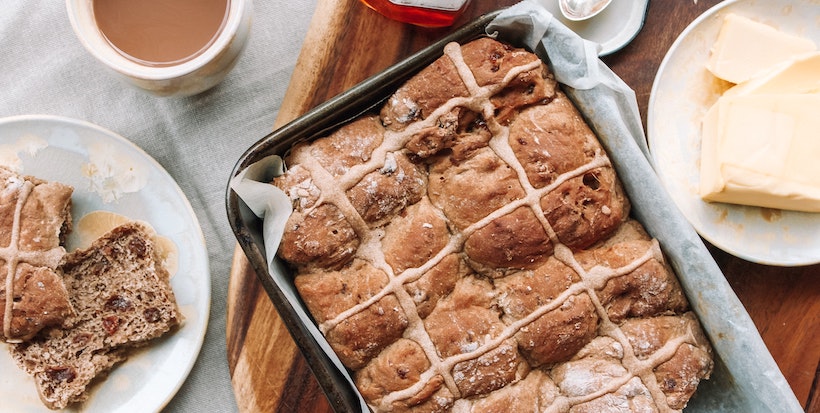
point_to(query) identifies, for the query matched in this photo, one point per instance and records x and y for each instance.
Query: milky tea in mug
(160, 32)
(167, 47)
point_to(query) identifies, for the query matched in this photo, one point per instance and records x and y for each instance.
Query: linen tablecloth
(45, 70)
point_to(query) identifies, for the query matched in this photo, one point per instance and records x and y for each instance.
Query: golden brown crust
(361, 336)
(533, 394)
(513, 241)
(430, 235)
(584, 209)
(453, 187)
(40, 301)
(382, 194)
(35, 217)
(550, 140)
(426, 92)
(353, 144)
(649, 289)
(320, 237)
(401, 366)
(480, 256)
(491, 61)
(677, 374)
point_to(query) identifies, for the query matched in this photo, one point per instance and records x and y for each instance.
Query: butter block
(800, 74)
(745, 47)
(763, 150)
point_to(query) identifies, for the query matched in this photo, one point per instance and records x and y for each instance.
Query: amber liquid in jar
(427, 13)
(160, 32)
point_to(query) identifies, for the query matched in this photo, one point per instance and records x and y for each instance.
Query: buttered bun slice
(123, 299)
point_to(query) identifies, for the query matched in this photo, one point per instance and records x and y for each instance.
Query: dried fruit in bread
(123, 299)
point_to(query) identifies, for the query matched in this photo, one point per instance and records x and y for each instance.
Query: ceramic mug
(186, 78)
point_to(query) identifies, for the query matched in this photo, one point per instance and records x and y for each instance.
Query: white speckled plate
(60, 149)
(682, 93)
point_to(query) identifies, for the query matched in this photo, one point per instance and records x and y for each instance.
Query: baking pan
(745, 377)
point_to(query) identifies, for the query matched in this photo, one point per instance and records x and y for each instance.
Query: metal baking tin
(730, 389)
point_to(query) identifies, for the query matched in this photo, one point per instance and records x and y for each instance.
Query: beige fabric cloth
(45, 70)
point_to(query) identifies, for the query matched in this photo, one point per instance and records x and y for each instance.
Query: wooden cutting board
(347, 43)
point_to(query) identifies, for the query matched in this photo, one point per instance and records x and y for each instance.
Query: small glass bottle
(427, 13)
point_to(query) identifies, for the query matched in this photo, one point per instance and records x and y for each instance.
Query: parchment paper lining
(746, 378)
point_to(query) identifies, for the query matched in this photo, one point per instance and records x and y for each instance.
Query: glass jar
(427, 13)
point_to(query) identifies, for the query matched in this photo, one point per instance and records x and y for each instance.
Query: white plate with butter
(112, 175)
(683, 92)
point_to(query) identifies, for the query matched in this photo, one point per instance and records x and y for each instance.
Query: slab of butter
(763, 150)
(800, 74)
(745, 47)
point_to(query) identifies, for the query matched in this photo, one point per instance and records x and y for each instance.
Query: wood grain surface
(347, 43)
